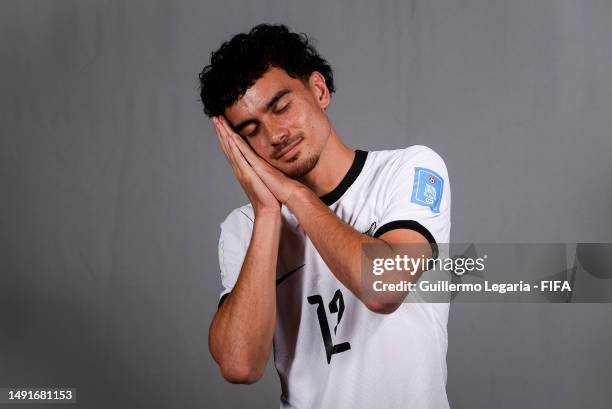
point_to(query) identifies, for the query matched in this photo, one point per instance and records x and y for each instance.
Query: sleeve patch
(427, 189)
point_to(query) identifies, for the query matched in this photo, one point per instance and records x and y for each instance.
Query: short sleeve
(234, 241)
(417, 196)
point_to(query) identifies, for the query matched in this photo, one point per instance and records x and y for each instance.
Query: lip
(290, 150)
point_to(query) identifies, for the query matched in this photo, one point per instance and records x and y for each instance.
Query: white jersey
(331, 351)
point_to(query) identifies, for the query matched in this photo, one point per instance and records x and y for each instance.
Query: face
(283, 119)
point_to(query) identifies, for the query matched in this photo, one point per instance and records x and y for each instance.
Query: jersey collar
(352, 174)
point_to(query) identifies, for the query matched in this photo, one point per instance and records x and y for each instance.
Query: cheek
(317, 125)
(259, 147)
(309, 120)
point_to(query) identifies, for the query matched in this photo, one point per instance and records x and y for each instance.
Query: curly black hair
(241, 61)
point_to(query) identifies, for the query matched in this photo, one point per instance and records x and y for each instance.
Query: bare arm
(240, 337)
(340, 246)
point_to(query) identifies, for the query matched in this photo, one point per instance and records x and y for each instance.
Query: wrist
(298, 194)
(268, 213)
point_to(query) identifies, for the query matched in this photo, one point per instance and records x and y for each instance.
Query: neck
(334, 163)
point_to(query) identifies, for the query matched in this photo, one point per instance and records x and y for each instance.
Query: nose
(277, 133)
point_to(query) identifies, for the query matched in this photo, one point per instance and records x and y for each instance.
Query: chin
(300, 166)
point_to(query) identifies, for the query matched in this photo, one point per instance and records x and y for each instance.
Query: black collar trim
(350, 177)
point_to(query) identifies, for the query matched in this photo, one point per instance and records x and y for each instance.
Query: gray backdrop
(112, 187)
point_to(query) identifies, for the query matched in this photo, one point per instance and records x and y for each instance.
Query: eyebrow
(269, 105)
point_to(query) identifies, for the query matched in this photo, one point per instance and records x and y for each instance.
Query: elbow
(243, 374)
(236, 367)
(382, 307)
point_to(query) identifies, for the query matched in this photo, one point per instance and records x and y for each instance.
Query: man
(291, 259)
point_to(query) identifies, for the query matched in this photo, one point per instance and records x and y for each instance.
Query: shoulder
(411, 156)
(239, 219)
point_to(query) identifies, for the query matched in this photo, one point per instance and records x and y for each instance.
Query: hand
(281, 186)
(259, 195)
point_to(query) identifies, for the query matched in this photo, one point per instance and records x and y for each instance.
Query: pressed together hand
(265, 186)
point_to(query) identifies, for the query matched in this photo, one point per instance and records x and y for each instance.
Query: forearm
(338, 243)
(241, 332)
(340, 246)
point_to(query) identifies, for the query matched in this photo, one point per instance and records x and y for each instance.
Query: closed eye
(283, 109)
(253, 132)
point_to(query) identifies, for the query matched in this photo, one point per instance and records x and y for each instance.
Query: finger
(226, 129)
(228, 135)
(239, 159)
(244, 148)
(235, 159)
(215, 122)
(261, 167)
(221, 136)
(223, 142)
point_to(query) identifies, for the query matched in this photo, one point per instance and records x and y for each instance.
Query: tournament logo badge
(427, 189)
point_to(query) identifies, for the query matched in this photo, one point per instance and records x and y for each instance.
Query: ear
(319, 88)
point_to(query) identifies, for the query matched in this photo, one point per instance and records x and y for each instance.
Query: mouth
(290, 151)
